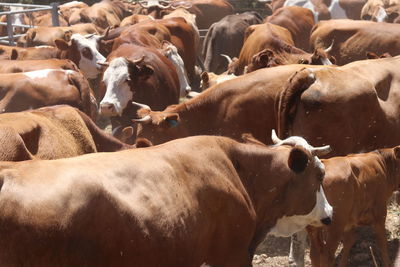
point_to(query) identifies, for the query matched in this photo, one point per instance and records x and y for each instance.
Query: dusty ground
(273, 252)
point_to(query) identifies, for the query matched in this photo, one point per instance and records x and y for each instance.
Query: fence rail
(53, 7)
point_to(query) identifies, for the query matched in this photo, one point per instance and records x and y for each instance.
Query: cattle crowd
(198, 147)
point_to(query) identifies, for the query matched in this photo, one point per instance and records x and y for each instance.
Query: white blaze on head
(118, 92)
(381, 15)
(89, 55)
(288, 225)
(175, 58)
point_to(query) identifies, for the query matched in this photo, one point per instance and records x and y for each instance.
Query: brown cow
(137, 73)
(229, 109)
(117, 209)
(68, 9)
(103, 14)
(366, 112)
(27, 90)
(47, 35)
(13, 66)
(29, 53)
(50, 133)
(353, 39)
(381, 10)
(268, 45)
(358, 187)
(297, 20)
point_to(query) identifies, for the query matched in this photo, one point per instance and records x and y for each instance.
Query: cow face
(83, 51)
(119, 78)
(304, 196)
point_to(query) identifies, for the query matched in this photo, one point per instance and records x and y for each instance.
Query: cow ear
(298, 159)
(171, 120)
(14, 54)
(396, 151)
(143, 142)
(204, 77)
(127, 133)
(146, 71)
(372, 55)
(61, 44)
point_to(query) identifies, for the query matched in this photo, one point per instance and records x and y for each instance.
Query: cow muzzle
(108, 109)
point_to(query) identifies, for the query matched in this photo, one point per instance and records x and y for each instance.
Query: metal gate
(30, 8)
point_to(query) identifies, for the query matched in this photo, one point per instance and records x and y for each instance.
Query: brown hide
(356, 106)
(51, 133)
(241, 105)
(117, 209)
(29, 53)
(358, 187)
(13, 66)
(297, 20)
(50, 87)
(353, 39)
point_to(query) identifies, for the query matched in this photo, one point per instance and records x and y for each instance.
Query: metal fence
(53, 7)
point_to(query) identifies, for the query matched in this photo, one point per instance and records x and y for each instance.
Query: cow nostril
(326, 221)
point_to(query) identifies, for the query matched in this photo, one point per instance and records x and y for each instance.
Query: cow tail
(289, 99)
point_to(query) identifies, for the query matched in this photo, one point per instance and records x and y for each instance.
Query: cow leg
(329, 240)
(314, 234)
(297, 248)
(349, 238)
(380, 232)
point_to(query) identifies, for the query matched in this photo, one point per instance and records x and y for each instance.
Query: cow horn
(164, 7)
(141, 105)
(106, 64)
(137, 61)
(146, 118)
(274, 137)
(327, 50)
(87, 36)
(141, 3)
(227, 58)
(321, 151)
(105, 34)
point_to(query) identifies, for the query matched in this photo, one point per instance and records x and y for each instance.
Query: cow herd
(285, 124)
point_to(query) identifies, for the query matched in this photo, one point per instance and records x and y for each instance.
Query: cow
(324, 10)
(83, 51)
(29, 53)
(137, 73)
(13, 66)
(46, 20)
(297, 20)
(34, 89)
(229, 108)
(47, 35)
(352, 40)
(68, 9)
(359, 187)
(103, 14)
(230, 30)
(123, 211)
(19, 18)
(51, 133)
(269, 45)
(133, 19)
(379, 10)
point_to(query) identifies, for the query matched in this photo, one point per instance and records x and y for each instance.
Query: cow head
(120, 78)
(83, 51)
(303, 199)
(264, 59)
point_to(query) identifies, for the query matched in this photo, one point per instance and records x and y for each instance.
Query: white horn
(141, 105)
(146, 118)
(274, 137)
(321, 151)
(329, 48)
(227, 58)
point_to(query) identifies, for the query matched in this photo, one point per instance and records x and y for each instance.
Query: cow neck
(199, 114)
(253, 164)
(391, 165)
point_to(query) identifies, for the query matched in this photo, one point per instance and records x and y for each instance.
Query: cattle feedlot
(200, 133)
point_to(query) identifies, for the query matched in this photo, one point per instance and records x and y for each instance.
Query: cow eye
(87, 53)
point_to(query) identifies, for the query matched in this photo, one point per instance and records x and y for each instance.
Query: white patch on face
(89, 66)
(176, 59)
(38, 74)
(43, 46)
(326, 61)
(118, 91)
(288, 225)
(381, 15)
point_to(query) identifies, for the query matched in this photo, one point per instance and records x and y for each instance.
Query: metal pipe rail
(34, 8)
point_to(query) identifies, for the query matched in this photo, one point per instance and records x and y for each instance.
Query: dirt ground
(273, 252)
